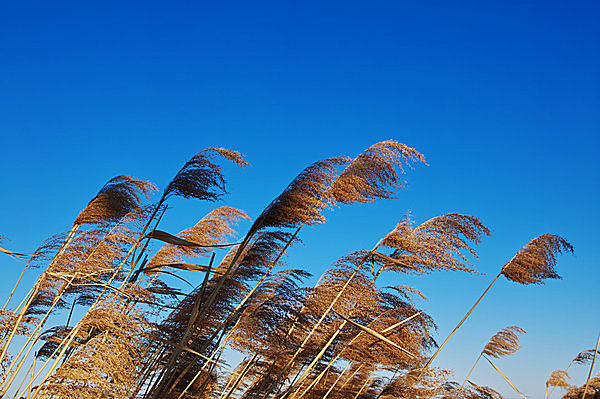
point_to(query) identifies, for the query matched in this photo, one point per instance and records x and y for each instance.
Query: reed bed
(110, 316)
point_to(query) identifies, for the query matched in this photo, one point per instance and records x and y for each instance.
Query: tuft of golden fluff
(536, 261)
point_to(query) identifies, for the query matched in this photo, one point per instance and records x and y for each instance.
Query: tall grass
(110, 316)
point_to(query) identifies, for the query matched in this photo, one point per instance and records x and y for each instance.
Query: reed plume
(201, 178)
(532, 264)
(536, 261)
(120, 196)
(437, 244)
(584, 357)
(374, 174)
(431, 383)
(142, 336)
(105, 364)
(504, 343)
(591, 389)
(558, 378)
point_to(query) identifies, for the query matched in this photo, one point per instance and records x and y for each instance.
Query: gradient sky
(502, 97)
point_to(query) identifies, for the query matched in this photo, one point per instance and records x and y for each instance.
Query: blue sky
(502, 98)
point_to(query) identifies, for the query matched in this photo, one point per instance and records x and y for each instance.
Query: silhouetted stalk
(165, 377)
(209, 361)
(238, 379)
(587, 383)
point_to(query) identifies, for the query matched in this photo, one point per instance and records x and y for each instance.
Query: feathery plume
(536, 261)
(440, 243)
(374, 174)
(504, 342)
(558, 378)
(201, 178)
(584, 357)
(120, 196)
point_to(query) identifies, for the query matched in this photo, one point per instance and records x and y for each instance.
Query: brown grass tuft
(503, 343)
(536, 261)
(117, 198)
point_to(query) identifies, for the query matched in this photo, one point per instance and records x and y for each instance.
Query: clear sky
(502, 97)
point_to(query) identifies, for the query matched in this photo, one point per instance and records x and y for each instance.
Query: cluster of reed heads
(113, 316)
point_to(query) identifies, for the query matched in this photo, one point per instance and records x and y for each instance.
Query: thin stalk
(458, 326)
(335, 300)
(554, 387)
(16, 285)
(71, 336)
(63, 245)
(505, 377)
(384, 331)
(29, 370)
(335, 382)
(29, 344)
(352, 376)
(26, 298)
(365, 384)
(165, 377)
(468, 375)
(238, 379)
(31, 378)
(587, 383)
(33, 293)
(363, 328)
(307, 371)
(209, 360)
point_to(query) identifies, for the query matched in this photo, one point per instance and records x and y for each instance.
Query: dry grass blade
(377, 335)
(536, 261)
(181, 266)
(174, 240)
(17, 255)
(505, 377)
(503, 343)
(210, 231)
